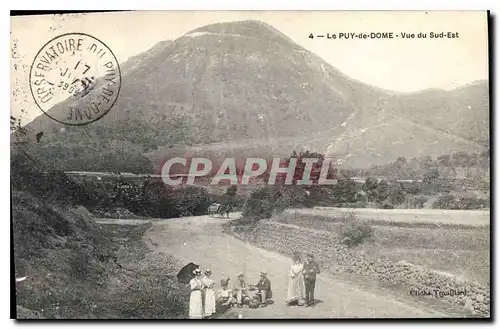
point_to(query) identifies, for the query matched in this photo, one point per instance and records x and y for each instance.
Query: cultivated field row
(400, 217)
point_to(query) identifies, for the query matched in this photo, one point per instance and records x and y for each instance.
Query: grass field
(405, 217)
(459, 250)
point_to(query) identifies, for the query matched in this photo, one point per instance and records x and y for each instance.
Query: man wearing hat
(264, 288)
(311, 269)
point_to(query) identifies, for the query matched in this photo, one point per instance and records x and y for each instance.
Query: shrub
(192, 200)
(357, 204)
(420, 201)
(386, 205)
(153, 297)
(456, 203)
(262, 203)
(444, 202)
(472, 203)
(412, 188)
(396, 195)
(155, 199)
(268, 201)
(354, 232)
(345, 191)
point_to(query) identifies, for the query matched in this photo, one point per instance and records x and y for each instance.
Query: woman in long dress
(296, 285)
(209, 285)
(195, 300)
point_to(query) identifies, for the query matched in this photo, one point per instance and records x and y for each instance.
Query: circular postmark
(75, 79)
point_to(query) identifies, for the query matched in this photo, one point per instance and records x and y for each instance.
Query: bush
(191, 200)
(473, 203)
(396, 194)
(357, 204)
(153, 297)
(262, 203)
(345, 191)
(386, 205)
(354, 232)
(444, 202)
(155, 199)
(420, 201)
(268, 201)
(456, 203)
(412, 188)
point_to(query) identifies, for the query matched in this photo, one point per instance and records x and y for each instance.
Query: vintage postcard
(251, 165)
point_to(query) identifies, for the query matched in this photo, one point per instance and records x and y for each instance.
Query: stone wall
(336, 257)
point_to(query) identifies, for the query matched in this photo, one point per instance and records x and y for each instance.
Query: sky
(404, 65)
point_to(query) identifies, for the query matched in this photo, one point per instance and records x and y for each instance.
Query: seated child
(225, 295)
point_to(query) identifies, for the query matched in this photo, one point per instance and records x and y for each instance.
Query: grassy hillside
(432, 108)
(74, 268)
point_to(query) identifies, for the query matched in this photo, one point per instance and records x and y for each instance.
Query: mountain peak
(248, 28)
(244, 88)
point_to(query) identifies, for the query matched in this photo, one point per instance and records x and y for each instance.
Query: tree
(190, 200)
(444, 160)
(425, 162)
(231, 190)
(382, 191)
(369, 187)
(396, 194)
(345, 191)
(413, 164)
(412, 188)
(300, 166)
(230, 196)
(261, 203)
(461, 159)
(431, 175)
(399, 166)
(401, 160)
(419, 202)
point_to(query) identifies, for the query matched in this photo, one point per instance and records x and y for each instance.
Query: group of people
(204, 302)
(202, 299)
(302, 281)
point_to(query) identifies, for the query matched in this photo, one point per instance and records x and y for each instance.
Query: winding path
(201, 240)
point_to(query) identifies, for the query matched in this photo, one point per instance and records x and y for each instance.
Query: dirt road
(201, 240)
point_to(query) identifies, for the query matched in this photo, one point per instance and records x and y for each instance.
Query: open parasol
(186, 273)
